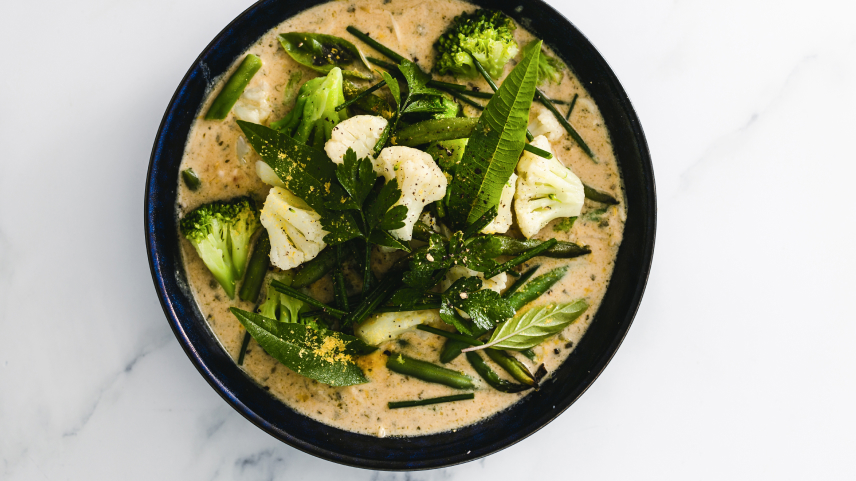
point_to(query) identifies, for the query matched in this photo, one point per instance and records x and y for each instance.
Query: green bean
(389, 53)
(234, 87)
(536, 287)
(519, 283)
(491, 377)
(316, 268)
(433, 400)
(512, 366)
(434, 130)
(521, 258)
(257, 267)
(288, 291)
(191, 180)
(380, 294)
(598, 196)
(470, 341)
(360, 95)
(568, 127)
(428, 372)
(510, 246)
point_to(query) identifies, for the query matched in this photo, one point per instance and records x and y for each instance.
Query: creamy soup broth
(410, 27)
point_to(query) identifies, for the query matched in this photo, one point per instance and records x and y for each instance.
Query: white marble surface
(740, 364)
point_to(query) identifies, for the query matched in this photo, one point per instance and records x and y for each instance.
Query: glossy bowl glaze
(500, 431)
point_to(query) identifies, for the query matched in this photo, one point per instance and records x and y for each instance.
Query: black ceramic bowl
(506, 428)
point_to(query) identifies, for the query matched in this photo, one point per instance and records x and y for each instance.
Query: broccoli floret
(279, 306)
(549, 68)
(314, 115)
(221, 232)
(487, 35)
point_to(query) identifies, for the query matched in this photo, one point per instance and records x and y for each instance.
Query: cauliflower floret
(546, 190)
(502, 222)
(545, 124)
(360, 133)
(296, 235)
(496, 283)
(253, 105)
(420, 179)
(391, 325)
(268, 175)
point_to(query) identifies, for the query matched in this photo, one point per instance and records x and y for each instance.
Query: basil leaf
(322, 52)
(393, 87)
(484, 306)
(535, 325)
(495, 144)
(325, 356)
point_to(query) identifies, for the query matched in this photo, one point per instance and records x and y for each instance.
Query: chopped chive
(531, 355)
(382, 64)
(433, 400)
(287, 290)
(521, 258)
(457, 95)
(244, 344)
(535, 150)
(388, 52)
(571, 108)
(568, 127)
(450, 335)
(360, 95)
(481, 223)
(415, 307)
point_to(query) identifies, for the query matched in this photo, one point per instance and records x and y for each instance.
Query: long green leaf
(495, 144)
(325, 356)
(533, 326)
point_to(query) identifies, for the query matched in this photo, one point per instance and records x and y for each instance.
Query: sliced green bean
(428, 372)
(388, 52)
(512, 366)
(521, 258)
(536, 287)
(257, 267)
(427, 402)
(520, 281)
(191, 180)
(234, 87)
(289, 291)
(434, 130)
(316, 268)
(470, 341)
(491, 377)
(510, 246)
(599, 196)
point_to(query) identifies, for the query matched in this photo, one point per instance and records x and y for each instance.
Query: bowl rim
(167, 303)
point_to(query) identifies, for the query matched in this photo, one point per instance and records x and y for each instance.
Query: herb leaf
(495, 144)
(325, 356)
(417, 80)
(356, 176)
(534, 326)
(322, 52)
(484, 306)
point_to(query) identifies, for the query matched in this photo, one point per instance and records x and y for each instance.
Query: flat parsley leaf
(484, 306)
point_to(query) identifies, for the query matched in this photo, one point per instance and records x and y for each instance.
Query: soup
(219, 154)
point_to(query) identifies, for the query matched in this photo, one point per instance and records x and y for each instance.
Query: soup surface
(410, 27)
